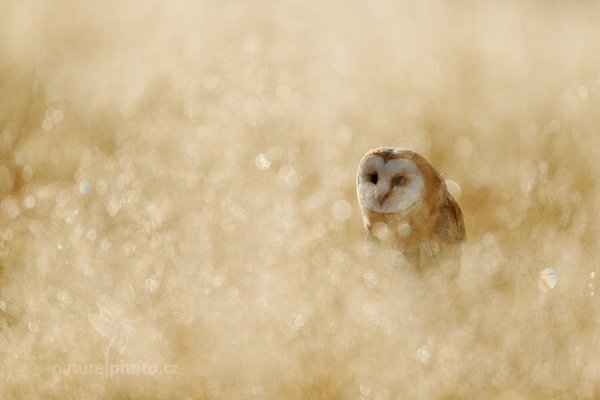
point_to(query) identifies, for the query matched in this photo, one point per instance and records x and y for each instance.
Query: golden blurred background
(178, 217)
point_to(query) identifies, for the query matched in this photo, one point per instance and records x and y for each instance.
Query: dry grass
(137, 229)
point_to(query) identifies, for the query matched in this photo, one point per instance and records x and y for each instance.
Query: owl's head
(391, 180)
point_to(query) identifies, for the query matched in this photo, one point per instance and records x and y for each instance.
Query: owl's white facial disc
(389, 187)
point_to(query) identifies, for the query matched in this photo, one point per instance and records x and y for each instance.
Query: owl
(405, 203)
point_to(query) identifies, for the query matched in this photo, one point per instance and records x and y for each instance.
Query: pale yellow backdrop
(177, 199)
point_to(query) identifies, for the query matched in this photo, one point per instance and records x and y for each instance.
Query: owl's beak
(381, 198)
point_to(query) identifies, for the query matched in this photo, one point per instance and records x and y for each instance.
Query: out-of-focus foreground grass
(177, 200)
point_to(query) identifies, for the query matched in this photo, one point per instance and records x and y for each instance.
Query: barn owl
(405, 203)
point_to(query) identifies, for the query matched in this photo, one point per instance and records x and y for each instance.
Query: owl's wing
(450, 226)
(448, 234)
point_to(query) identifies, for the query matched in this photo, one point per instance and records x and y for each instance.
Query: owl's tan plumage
(405, 203)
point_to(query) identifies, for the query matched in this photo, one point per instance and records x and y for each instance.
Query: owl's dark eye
(373, 178)
(398, 180)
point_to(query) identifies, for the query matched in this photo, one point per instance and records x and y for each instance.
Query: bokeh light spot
(262, 161)
(296, 322)
(6, 234)
(11, 207)
(84, 187)
(289, 176)
(370, 279)
(365, 390)
(33, 327)
(341, 210)
(532, 129)
(547, 279)
(29, 202)
(48, 124)
(64, 299)
(57, 116)
(404, 229)
(151, 285)
(381, 231)
(423, 355)
(91, 235)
